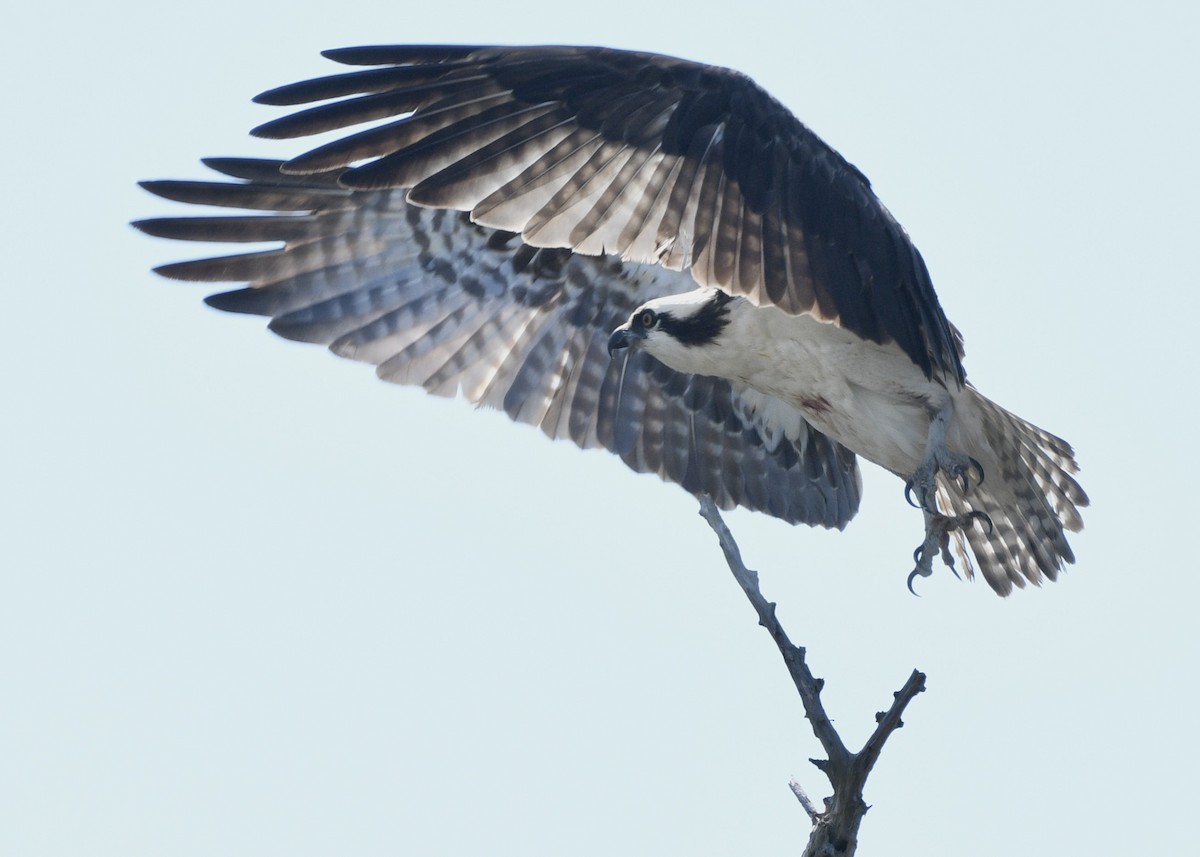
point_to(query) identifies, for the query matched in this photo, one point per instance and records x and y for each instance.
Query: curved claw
(923, 497)
(967, 473)
(976, 515)
(975, 464)
(953, 570)
(911, 577)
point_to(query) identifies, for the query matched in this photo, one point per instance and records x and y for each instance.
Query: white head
(683, 331)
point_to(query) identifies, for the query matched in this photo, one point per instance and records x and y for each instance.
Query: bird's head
(677, 328)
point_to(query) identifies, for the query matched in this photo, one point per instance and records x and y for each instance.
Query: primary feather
(515, 206)
(436, 301)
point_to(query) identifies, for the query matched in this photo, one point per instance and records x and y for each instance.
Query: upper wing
(434, 300)
(649, 157)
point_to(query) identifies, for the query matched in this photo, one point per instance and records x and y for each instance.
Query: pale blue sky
(255, 602)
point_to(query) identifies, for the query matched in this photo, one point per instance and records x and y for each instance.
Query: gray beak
(621, 338)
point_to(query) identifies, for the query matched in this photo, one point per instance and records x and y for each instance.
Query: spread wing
(434, 300)
(651, 158)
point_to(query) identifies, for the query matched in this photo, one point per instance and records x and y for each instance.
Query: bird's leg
(939, 458)
(937, 541)
(923, 484)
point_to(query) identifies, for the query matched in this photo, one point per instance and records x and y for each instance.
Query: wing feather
(434, 300)
(737, 188)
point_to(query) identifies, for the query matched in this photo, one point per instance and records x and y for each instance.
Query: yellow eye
(647, 319)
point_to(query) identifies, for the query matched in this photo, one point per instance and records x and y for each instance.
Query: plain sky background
(252, 601)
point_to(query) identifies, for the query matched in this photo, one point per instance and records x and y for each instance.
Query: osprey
(641, 253)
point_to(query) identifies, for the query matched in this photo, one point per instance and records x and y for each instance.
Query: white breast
(869, 397)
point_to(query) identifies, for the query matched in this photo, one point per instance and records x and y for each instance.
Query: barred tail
(1029, 492)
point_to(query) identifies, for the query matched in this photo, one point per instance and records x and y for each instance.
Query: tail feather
(1029, 493)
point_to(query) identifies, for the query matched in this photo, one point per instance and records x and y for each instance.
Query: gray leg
(937, 541)
(938, 458)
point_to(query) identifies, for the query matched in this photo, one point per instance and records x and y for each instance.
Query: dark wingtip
(361, 54)
(276, 97)
(158, 187)
(272, 130)
(246, 301)
(289, 94)
(158, 227)
(314, 334)
(398, 54)
(334, 53)
(249, 169)
(173, 271)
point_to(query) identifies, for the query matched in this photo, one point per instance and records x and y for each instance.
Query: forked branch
(835, 830)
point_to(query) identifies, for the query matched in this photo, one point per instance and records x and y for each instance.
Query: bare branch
(835, 830)
(889, 721)
(805, 801)
(806, 683)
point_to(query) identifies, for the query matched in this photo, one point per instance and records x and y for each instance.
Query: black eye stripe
(700, 327)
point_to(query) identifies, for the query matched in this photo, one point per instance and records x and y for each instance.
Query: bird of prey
(641, 253)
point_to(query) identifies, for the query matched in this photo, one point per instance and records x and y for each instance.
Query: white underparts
(871, 398)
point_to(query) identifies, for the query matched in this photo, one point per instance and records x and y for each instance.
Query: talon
(948, 558)
(913, 576)
(975, 464)
(966, 472)
(924, 563)
(976, 515)
(908, 491)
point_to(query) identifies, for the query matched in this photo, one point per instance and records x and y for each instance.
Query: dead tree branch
(835, 830)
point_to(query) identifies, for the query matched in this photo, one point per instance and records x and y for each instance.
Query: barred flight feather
(509, 208)
(434, 300)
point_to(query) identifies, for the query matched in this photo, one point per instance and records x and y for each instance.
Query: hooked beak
(621, 338)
